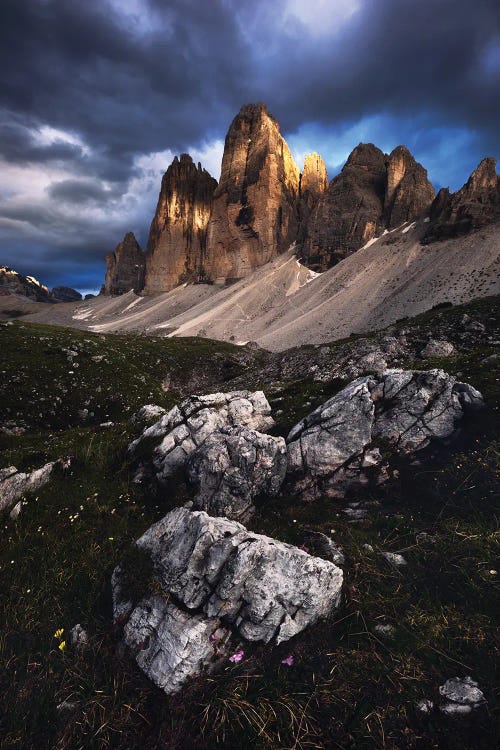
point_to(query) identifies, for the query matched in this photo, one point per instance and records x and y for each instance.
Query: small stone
(437, 348)
(16, 510)
(395, 558)
(425, 706)
(463, 691)
(423, 537)
(384, 629)
(147, 414)
(78, 637)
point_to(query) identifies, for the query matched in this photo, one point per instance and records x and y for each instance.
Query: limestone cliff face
(408, 191)
(125, 267)
(314, 178)
(477, 203)
(373, 192)
(349, 213)
(254, 212)
(313, 184)
(177, 243)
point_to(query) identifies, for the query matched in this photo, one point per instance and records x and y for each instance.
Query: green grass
(348, 687)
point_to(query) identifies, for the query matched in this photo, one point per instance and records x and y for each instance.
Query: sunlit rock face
(125, 267)
(349, 213)
(254, 213)
(373, 192)
(177, 244)
(314, 178)
(313, 184)
(408, 191)
(476, 204)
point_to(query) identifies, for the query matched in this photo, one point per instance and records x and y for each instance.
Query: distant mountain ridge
(14, 283)
(204, 231)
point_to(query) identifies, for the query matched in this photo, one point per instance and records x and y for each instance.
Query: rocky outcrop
(12, 282)
(217, 584)
(184, 428)
(335, 448)
(232, 467)
(373, 192)
(349, 214)
(254, 213)
(125, 267)
(408, 192)
(177, 244)
(476, 204)
(15, 484)
(65, 294)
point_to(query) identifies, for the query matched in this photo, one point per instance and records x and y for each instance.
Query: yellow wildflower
(62, 645)
(59, 633)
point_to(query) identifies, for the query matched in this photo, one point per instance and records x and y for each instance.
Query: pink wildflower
(238, 656)
(288, 661)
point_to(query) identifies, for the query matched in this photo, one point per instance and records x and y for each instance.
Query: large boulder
(336, 447)
(185, 427)
(217, 584)
(234, 466)
(15, 484)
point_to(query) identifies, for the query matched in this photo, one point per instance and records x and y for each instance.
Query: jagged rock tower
(177, 244)
(125, 267)
(373, 192)
(477, 203)
(254, 215)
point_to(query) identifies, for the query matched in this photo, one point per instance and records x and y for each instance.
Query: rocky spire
(178, 234)
(313, 184)
(373, 192)
(349, 213)
(254, 213)
(314, 178)
(408, 191)
(125, 267)
(477, 203)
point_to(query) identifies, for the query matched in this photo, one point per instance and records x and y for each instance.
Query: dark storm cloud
(77, 192)
(17, 144)
(175, 75)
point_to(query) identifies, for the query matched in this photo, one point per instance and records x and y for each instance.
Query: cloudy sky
(96, 98)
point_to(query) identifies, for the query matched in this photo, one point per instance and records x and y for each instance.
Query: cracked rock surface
(185, 427)
(461, 695)
(216, 576)
(334, 448)
(14, 484)
(232, 467)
